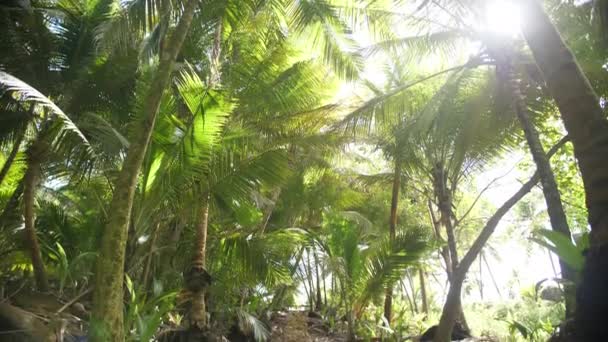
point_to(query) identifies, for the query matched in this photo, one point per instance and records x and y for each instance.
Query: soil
(299, 326)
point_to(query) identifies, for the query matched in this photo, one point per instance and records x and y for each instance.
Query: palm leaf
(23, 92)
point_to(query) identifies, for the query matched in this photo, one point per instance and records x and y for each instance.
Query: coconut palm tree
(313, 17)
(587, 126)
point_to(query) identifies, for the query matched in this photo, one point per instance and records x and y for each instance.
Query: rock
(27, 326)
(458, 333)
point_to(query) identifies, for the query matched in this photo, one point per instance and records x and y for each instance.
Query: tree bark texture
(423, 294)
(443, 194)
(453, 304)
(587, 126)
(31, 180)
(198, 279)
(555, 209)
(107, 314)
(388, 297)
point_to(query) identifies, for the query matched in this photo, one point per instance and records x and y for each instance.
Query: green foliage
(299, 187)
(145, 314)
(563, 247)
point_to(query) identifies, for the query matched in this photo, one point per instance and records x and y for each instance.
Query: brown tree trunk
(107, 314)
(423, 294)
(450, 314)
(411, 283)
(31, 180)
(445, 253)
(195, 281)
(557, 216)
(388, 297)
(319, 303)
(587, 127)
(444, 203)
(11, 157)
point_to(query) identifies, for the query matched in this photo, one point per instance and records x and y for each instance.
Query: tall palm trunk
(31, 180)
(450, 312)
(587, 127)
(444, 252)
(107, 315)
(557, 216)
(11, 157)
(444, 203)
(197, 279)
(388, 298)
(319, 303)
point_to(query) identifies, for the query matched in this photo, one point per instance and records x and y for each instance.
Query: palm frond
(387, 261)
(23, 92)
(252, 326)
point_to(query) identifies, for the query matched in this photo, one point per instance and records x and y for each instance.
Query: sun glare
(502, 17)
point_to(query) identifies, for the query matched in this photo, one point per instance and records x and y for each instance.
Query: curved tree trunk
(11, 157)
(557, 216)
(30, 183)
(587, 127)
(107, 314)
(449, 315)
(388, 297)
(444, 204)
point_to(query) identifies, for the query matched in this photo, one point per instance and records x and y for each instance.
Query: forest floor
(298, 326)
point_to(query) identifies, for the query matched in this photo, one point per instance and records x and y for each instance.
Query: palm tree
(450, 311)
(321, 20)
(54, 133)
(587, 126)
(363, 264)
(107, 299)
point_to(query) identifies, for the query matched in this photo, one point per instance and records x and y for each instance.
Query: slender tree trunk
(480, 275)
(388, 297)
(11, 157)
(444, 252)
(408, 297)
(198, 279)
(557, 216)
(324, 287)
(318, 277)
(423, 294)
(309, 277)
(444, 203)
(107, 314)
(411, 283)
(449, 314)
(587, 126)
(147, 268)
(31, 180)
(485, 260)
